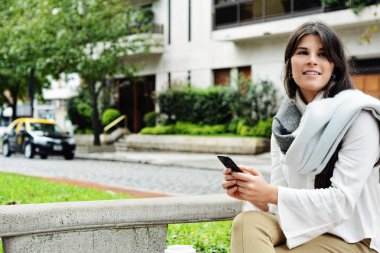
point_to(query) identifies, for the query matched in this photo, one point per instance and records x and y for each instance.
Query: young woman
(324, 194)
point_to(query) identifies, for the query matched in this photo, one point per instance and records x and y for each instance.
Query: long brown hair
(334, 51)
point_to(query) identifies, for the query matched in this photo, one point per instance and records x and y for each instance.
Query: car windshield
(45, 129)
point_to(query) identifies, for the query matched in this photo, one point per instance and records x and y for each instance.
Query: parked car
(41, 137)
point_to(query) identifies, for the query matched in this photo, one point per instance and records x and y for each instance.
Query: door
(368, 83)
(136, 100)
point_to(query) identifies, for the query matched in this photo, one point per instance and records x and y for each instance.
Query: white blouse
(350, 208)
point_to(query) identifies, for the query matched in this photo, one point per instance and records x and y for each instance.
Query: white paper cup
(180, 249)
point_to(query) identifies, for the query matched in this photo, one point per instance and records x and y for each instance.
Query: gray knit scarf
(314, 150)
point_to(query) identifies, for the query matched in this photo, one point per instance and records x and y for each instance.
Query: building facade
(209, 42)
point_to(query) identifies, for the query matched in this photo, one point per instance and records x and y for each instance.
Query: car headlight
(71, 141)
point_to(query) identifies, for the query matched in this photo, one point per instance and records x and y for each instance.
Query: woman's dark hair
(334, 51)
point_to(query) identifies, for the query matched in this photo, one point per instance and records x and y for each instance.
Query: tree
(50, 37)
(357, 6)
(21, 41)
(91, 40)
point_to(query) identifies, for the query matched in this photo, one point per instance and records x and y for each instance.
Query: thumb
(250, 170)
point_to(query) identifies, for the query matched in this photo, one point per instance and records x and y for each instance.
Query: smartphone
(229, 163)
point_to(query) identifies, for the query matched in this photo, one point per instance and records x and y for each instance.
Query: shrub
(185, 128)
(262, 129)
(198, 106)
(150, 119)
(79, 111)
(158, 130)
(109, 115)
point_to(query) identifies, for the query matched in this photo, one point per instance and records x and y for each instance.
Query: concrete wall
(128, 226)
(196, 144)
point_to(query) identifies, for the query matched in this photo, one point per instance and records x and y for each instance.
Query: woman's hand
(251, 186)
(229, 184)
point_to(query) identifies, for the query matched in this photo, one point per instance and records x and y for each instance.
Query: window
(226, 76)
(228, 13)
(222, 77)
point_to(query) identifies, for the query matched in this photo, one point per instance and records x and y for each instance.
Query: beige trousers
(259, 232)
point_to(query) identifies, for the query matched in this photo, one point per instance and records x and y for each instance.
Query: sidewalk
(193, 160)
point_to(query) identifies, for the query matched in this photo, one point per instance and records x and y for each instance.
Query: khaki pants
(259, 232)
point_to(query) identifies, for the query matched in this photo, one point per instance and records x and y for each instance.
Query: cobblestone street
(145, 177)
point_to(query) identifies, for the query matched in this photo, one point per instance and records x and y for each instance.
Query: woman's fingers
(227, 171)
(250, 170)
(228, 184)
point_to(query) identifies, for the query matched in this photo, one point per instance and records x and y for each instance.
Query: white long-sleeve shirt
(350, 208)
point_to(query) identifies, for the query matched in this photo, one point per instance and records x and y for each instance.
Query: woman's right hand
(229, 184)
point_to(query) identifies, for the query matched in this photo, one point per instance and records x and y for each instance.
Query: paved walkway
(152, 173)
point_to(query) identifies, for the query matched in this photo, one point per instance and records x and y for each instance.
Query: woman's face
(311, 69)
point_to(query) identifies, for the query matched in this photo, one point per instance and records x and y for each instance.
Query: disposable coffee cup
(180, 249)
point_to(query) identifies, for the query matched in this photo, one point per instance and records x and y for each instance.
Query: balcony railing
(231, 13)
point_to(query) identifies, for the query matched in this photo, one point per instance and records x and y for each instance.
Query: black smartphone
(229, 163)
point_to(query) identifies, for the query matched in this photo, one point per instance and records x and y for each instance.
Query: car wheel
(69, 156)
(29, 151)
(43, 156)
(6, 149)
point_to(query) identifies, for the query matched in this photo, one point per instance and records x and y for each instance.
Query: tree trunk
(14, 94)
(95, 114)
(31, 90)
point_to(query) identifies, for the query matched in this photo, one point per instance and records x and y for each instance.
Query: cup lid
(180, 249)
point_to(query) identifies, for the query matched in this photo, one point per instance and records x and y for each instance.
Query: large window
(228, 13)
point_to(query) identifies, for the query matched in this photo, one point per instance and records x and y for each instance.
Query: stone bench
(135, 226)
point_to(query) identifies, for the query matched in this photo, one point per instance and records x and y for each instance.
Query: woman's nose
(312, 60)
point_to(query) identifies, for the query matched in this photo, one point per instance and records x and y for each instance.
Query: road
(144, 177)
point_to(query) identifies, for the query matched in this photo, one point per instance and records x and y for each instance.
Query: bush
(151, 118)
(198, 106)
(79, 111)
(109, 115)
(185, 128)
(262, 129)
(220, 105)
(158, 130)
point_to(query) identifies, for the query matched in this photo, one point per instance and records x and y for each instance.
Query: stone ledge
(198, 144)
(137, 225)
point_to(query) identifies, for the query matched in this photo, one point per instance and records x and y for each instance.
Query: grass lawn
(208, 237)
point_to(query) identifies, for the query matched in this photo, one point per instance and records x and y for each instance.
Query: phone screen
(229, 163)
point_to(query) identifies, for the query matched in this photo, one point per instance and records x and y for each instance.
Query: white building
(208, 42)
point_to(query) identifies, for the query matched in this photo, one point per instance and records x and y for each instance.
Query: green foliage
(253, 101)
(356, 5)
(110, 115)
(220, 105)
(207, 237)
(217, 110)
(84, 37)
(151, 118)
(262, 129)
(158, 130)
(185, 128)
(79, 111)
(198, 106)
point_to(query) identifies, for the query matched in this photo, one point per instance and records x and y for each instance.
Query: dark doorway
(136, 100)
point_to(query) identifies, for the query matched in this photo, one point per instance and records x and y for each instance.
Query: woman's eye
(302, 52)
